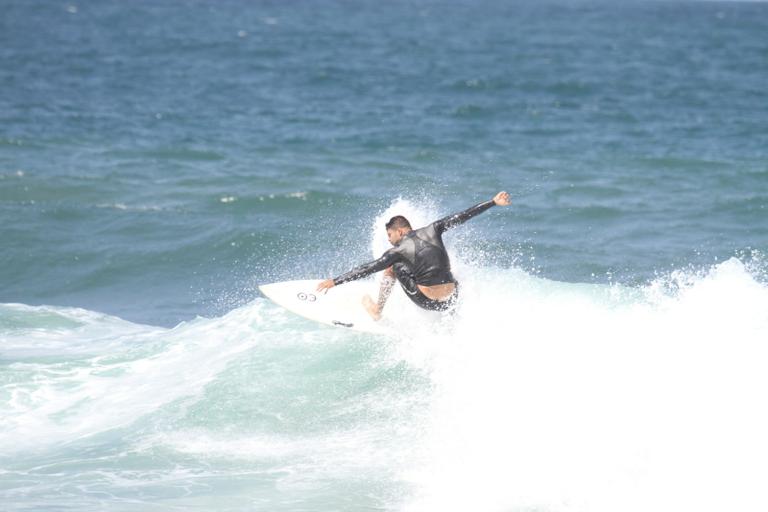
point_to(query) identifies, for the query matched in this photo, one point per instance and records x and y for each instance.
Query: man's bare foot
(371, 307)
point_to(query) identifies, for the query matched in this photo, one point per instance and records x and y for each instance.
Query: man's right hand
(502, 199)
(326, 285)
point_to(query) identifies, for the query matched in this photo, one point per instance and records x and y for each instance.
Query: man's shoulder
(429, 228)
(427, 232)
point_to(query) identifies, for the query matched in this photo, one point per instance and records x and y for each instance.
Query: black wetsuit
(420, 258)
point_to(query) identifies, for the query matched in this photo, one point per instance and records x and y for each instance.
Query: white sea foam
(133, 208)
(570, 397)
(139, 369)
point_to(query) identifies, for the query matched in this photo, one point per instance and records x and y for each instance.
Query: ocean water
(160, 159)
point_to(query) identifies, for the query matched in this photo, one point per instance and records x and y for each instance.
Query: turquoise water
(159, 160)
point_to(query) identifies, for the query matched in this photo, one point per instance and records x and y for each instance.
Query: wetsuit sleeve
(366, 269)
(461, 217)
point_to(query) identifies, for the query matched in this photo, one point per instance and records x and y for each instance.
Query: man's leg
(387, 283)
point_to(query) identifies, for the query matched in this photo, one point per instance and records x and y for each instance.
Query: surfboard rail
(340, 307)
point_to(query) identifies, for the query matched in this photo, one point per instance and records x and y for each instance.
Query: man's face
(395, 235)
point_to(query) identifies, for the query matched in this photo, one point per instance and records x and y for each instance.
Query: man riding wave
(418, 260)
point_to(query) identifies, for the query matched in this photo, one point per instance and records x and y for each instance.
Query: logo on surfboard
(309, 297)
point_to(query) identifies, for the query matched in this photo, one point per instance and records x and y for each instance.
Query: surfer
(418, 260)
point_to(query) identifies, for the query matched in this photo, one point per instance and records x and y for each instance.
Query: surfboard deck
(341, 306)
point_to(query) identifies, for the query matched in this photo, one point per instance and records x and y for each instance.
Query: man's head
(397, 227)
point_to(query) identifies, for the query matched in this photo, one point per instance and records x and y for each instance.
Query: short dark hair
(398, 221)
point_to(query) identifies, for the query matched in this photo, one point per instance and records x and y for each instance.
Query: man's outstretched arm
(501, 199)
(362, 271)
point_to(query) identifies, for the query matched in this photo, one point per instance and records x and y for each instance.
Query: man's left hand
(502, 199)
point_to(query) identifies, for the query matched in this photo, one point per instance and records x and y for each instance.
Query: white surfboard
(341, 306)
